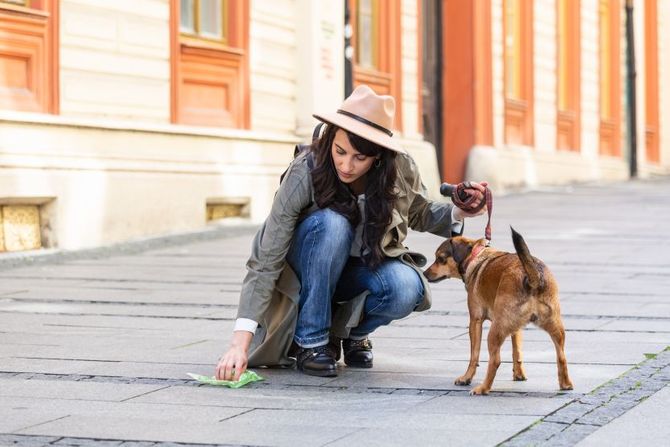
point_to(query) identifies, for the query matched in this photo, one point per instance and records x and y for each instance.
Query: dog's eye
(441, 260)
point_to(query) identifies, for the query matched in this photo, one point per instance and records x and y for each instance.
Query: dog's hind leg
(518, 372)
(475, 330)
(496, 338)
(554, 326)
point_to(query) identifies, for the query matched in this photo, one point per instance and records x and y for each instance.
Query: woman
(328, 266)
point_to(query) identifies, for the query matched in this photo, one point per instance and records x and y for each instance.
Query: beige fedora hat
(368, 115)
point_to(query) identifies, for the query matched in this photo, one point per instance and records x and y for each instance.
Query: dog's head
(451, 257)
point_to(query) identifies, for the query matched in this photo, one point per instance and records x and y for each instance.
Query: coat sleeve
(272, 241)
(423, 214)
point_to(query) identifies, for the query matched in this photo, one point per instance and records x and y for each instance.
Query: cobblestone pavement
(95, 346)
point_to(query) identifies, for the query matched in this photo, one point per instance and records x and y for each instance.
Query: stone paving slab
(462, 322)
(496, 404)
(70, 390)
(159, 429)
(148, 310)
(535, 351)
(123, 296)
(76, 323)
(124, 273)
(123, 420)
(463, 433)
(102, 368)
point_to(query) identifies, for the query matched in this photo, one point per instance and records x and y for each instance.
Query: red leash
(470, 200)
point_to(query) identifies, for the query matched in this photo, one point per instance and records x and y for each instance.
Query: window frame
(206, 63)
(34, 38)
(651, 88)
(610, 125)
(568, 88)
(519, 124)
(386, 78)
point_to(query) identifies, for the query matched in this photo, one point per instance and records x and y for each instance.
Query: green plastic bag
(246, 378)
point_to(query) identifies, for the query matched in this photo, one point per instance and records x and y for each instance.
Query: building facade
(127, 119)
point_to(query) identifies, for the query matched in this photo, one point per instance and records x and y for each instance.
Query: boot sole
(325, 373)
(359, 364)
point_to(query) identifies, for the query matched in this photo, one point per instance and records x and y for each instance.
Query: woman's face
(350, 164)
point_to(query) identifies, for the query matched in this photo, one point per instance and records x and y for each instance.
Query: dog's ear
(460, 250)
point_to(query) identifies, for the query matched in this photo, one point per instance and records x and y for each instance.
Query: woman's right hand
(234, 362)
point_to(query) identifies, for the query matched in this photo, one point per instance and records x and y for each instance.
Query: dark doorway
(431, 86)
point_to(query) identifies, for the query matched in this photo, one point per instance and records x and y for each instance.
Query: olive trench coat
(271, 290)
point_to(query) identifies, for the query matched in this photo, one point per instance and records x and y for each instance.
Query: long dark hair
(330, 192)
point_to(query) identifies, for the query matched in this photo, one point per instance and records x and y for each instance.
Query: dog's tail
(534, 277)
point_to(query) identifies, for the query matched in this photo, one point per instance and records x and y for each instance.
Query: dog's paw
(566, 386)
(520, 377)
(463, 381)
(479, 391)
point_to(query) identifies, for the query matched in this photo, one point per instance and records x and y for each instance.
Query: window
(210, 75)
(377, 43)
(568, 88)
(205, 19)
(610, 102)
(651, 80)
(367, 24)
(518, 72)
(29, 55)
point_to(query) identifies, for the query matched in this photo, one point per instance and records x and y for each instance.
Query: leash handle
(465, 196)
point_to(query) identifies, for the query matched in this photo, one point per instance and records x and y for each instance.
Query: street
(95, 350)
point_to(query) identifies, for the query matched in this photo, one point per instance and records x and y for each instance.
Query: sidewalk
(95, 352)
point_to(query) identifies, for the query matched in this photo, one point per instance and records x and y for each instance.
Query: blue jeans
(319, 255)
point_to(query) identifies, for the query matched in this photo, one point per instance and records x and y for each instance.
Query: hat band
(364, 121)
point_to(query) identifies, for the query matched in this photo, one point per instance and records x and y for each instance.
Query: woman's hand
(480, 190)
(234, 362)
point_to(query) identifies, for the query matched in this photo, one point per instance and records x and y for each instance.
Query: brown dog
(511, 290)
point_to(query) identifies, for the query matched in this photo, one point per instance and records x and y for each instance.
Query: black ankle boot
(357, 353)
(316, 361)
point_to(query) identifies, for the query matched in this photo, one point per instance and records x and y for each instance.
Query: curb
(56, 256)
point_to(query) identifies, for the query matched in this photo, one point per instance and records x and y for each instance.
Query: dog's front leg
(496, 338)
(475, 330)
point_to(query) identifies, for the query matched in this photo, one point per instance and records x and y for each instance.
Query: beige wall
(273, 65)
(410, 69)
(114, 59)
(111, 183)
